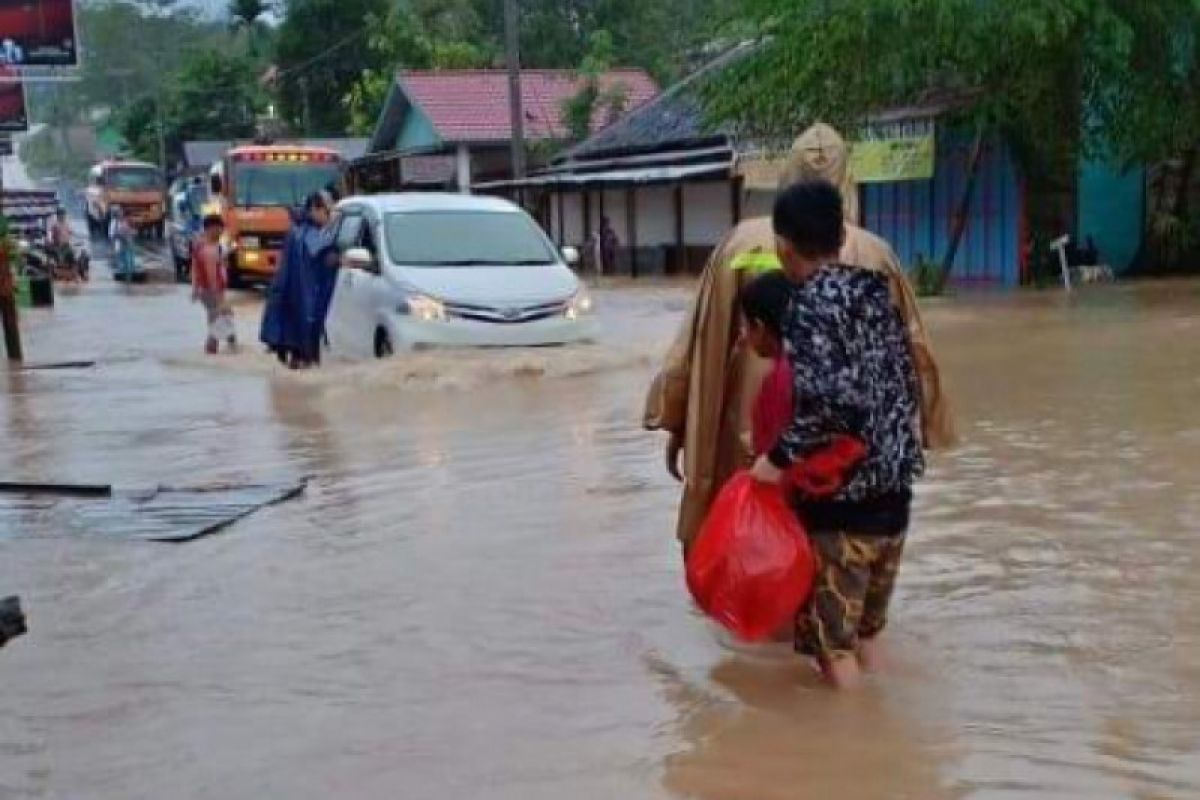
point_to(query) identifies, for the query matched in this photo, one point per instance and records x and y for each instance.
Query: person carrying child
(209, 282)
(853, 375)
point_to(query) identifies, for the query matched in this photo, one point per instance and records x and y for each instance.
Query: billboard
(38, 33)
(13, 117)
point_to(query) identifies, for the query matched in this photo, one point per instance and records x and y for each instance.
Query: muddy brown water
(480, 597)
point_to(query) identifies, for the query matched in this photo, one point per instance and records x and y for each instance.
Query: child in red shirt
(209, 284)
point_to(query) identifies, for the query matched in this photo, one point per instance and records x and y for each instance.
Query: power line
(304, 65)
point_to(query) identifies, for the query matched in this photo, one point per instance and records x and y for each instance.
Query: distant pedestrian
(120, 237)
(609, 243)
(209, 283)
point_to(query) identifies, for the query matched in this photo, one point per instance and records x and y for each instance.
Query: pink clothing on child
(773, 410)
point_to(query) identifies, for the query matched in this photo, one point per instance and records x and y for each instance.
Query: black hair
(316, 200)
(213, 221)
(765, 299)
(808, 214)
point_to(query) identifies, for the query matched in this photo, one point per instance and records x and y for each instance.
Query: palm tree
(247, 15)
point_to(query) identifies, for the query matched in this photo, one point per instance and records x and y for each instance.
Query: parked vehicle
(255, 188)
(422, 270)
(135, 187)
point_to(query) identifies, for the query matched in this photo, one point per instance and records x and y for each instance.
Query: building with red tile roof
(466, 113)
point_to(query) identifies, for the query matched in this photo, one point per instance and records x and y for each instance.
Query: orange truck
(255, 188)
(137, 188)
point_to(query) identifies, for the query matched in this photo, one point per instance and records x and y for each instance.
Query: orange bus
(255, 188)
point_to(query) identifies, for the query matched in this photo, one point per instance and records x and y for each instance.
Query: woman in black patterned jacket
(854, 375)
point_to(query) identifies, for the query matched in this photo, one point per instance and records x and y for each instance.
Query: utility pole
(512, 53)
(8, 298)
(306, 108)
(162, 135)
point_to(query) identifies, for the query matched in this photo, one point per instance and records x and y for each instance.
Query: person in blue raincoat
(293, 325)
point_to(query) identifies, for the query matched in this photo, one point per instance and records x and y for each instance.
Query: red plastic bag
(825, 472)
(751, 567)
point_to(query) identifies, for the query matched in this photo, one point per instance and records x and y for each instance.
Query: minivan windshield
(465, 239)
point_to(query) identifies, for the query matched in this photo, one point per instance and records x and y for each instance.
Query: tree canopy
(322, 51)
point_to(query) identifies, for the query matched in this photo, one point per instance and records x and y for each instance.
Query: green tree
(214, 96)
(1144, 90)
(1020, 63)
(322, 52)
(580, 110)
(423, 34)
(657, 36)
(246, 16)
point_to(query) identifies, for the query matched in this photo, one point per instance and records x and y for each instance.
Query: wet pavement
(479, 595)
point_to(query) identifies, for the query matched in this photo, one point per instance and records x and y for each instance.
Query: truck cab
(256, 188)
(138, 188)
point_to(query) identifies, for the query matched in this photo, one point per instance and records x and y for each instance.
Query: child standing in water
(209, 283)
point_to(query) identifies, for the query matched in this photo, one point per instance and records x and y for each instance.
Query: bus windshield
(133, 179)
(280, 183)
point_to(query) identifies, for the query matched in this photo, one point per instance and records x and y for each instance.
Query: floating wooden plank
(156, 514)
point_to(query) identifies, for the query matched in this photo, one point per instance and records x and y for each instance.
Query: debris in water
(156, 514)
(12, 620)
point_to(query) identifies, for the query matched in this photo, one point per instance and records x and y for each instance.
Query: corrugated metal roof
(622, 177)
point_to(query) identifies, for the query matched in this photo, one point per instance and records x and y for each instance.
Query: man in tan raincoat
(704, 392)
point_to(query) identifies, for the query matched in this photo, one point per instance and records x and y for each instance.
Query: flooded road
(479, 596)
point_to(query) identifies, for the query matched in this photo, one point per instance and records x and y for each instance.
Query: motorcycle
(70, 266)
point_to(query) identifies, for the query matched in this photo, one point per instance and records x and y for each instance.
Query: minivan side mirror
(359, 258)
(570, 255)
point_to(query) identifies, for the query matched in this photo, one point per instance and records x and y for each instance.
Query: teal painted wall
(417, 131)
(1112, 210)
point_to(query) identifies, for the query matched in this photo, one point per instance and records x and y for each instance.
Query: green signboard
(903, 158)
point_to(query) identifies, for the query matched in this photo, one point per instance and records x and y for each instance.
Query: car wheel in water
(383, 343)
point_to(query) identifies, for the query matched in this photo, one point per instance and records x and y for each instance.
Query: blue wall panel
(916, 216)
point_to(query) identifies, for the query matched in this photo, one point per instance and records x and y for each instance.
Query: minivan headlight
(423, 307)
(580, 305)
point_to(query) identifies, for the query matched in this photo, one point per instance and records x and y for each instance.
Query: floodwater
(479, 595)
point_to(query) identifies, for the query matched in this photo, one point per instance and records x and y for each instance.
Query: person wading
(852, 375)
(704, 392)
(293, 323)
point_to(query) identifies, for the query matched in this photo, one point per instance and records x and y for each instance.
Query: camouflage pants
(855, 578)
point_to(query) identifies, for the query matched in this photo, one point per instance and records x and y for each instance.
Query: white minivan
(420, 270)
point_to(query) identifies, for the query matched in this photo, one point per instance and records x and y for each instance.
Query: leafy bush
(926, 277)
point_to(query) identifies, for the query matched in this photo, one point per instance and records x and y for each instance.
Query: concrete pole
(512, 53)
(8, 298)
(462, 168)
(162, 133)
